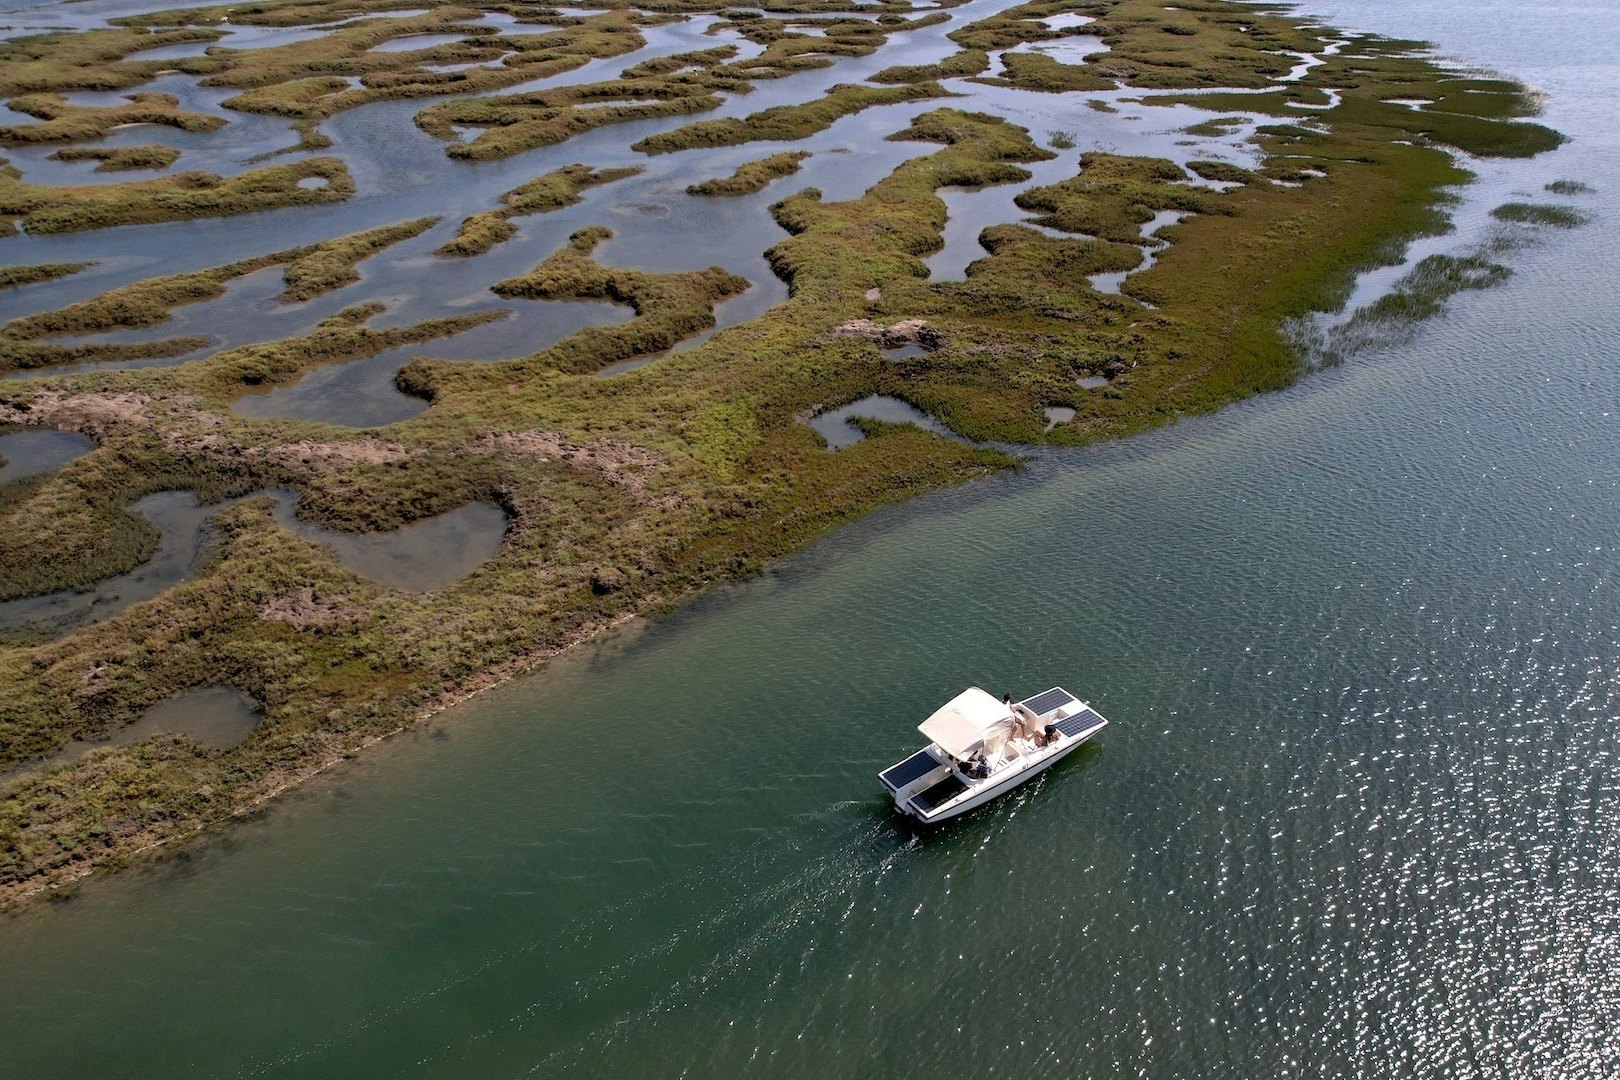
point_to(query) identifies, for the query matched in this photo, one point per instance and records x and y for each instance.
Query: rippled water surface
(1355, 814)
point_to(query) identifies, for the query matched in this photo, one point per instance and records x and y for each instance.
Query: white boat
(981, 748)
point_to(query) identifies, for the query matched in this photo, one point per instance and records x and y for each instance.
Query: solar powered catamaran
(982, 748)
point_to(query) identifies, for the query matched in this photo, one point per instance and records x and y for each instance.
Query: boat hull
(991, 792)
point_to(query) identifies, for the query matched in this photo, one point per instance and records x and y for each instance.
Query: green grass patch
(308, 272)
(1114, 196)
(89, 60)
(668, 307)
(1039, 72)
(1422, 294)
(15, 277)
(553, 191)
(752, 176)
(1220, 172)
(121, 158)
(330, 265)
(513, 127)
(1521, 213)
(784, 122)
(958, 65)
(60, 121)
(1217, 128)
(175, 197)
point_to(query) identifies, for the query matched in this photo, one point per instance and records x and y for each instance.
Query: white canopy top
(965, 723)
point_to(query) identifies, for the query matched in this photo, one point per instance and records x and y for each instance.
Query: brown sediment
(94, 414)
(302, 609)
(904, 332)
(620, 462)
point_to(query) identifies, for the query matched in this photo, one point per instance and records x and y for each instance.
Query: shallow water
(32, 452)
(362, 393)
(972, 210)
(181, 522)
(1068, 50)
(1354, 814)
(402, 173)
(837, 426)
(1068, 20)
(900, 352)
(215, 717)
(413, 42)
(423, 555)
(1154, 246)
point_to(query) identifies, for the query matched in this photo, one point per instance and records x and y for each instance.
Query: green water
(1355, 814)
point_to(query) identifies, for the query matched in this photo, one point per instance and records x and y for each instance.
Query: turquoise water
(1354, 814)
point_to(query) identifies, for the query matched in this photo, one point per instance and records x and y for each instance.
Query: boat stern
(917, 773)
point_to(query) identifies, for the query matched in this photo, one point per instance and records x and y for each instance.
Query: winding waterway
(1355, 814)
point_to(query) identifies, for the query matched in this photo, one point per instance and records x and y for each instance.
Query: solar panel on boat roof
(1055, 698)
(938, 795)
(1080, 721)
(917, 765)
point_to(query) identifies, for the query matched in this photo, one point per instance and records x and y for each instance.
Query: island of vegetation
(624, 494)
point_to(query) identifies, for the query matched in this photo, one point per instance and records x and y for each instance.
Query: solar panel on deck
(1055, 698)
(917, 765)
(1080, 721)
(938, 795)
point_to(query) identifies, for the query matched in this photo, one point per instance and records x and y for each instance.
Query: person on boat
(1029, 725)
(1020, 729)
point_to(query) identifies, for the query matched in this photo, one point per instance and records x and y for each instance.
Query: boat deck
(914, 767)
(932, 785)
(930, 799)
(1048, 701)
(1086, 719)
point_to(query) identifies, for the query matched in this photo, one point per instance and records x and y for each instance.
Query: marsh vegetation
(1562, 217)
(752, 176)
